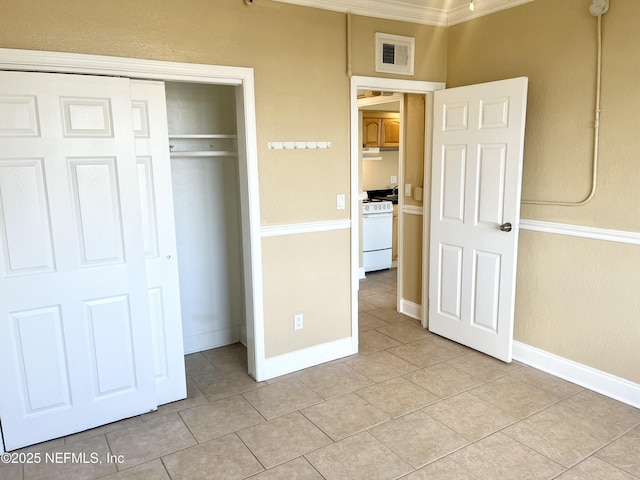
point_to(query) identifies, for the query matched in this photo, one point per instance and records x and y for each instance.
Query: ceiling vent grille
(394, 54)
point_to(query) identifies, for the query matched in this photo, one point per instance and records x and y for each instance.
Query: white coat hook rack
(298, 145)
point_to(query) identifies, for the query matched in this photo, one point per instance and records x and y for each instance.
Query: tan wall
(299, 56)
(412, 258)
(308, 274)
(414, 145)
(414, 131)
(576, 298)
(430, 47)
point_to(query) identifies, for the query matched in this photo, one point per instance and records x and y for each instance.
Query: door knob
(506, 227)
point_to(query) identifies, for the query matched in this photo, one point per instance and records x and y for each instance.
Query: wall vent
(394, 54)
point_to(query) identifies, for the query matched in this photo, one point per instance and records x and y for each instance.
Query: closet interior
(205, 181)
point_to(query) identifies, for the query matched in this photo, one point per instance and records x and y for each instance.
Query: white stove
(377, 230)
(370, 207)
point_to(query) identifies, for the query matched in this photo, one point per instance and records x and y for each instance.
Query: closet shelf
(199, 136)
(204, 153)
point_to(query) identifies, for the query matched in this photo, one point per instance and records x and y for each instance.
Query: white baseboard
(361, 273)
(308, 357)
(411, 309)
(208, 340)
(588, 377)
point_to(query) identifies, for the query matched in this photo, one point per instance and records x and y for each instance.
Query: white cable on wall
(596, 134)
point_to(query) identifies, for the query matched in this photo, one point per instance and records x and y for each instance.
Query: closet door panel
(74, 319)
(159, 237)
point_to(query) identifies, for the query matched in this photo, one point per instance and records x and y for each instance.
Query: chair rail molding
(308, 227)
(618, 236)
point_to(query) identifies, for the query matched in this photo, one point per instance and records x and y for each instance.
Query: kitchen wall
(302, 93)
(576, 297)
(376, 174)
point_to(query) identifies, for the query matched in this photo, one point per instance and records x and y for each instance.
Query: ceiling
(429, 12)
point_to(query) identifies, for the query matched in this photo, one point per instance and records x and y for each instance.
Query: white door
(475, 208)
(158, 227)
(75, 343)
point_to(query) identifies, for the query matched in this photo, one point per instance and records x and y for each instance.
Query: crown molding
(482, 8)
(391, 10)
(405, 12)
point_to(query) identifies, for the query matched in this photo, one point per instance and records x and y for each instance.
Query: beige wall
(299, 56)
(414, 145)
(430, 47)
(308, 274)
(576, 298)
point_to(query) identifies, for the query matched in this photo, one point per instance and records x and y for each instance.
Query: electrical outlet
(407, 189)
(394, 179)
(341, 201)
(298, 321)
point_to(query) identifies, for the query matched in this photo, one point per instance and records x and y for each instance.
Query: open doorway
(380, 166)
(392, 183)
(410, 193)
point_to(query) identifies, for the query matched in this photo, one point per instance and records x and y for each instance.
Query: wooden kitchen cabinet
(381, 129)
(371, 132)
(390, 132)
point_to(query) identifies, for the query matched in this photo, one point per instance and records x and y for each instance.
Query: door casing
(386, 85)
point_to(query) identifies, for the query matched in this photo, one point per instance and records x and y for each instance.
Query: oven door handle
(377, 215)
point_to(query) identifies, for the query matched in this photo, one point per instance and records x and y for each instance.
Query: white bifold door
(478, 142)
(159, 237)
(78, 234)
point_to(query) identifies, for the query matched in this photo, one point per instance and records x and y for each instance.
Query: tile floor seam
(463, 467)
(484, 436)
(106, 439)
(528, 415)
(187, 427)
(252, 453)
(595, 454)
(523, 445)
(619, 468)
(535, 449)
(165, 468)
(446, 455)
(577, 424)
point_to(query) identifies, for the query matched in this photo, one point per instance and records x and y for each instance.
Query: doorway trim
(386, 85)
(74, 63)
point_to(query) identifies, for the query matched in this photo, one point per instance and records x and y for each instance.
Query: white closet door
(158, 226)
(75, 343)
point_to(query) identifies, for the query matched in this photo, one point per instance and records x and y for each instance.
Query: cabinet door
(390, 132)
(371, 132)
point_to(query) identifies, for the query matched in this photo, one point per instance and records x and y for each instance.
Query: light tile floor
(410, 405)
